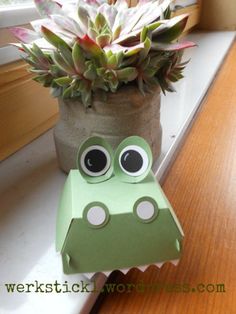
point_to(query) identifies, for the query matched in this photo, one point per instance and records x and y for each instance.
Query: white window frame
(15, 16)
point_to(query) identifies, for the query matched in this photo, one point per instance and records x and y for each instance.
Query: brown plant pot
(124, 113)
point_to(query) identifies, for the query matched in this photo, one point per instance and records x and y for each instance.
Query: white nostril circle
(145, 210)
(96, 215)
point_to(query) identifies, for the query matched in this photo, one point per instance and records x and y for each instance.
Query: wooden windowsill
(201, 187)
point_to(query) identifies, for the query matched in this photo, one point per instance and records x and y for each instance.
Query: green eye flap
(95, 160)
(133, 159)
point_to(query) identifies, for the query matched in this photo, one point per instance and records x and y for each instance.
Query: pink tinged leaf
(37, 24)
(78, 58)
(89, 45)
(51, 25)
(47, 7)
(53, 39)
(103, 40)
(41, 43)
(172, 47)
(67, 24)
(109, 12)
(152, 14)
(132, 19)
(171, 29)
(60, 62)
(44, 44)
(17, 46)
(23, 34)
(126, 37)
(83, 19)
(119, 20)
(128, 51)
(127, 74)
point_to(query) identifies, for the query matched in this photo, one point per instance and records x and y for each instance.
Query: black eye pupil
(95, 160)
(131, 161)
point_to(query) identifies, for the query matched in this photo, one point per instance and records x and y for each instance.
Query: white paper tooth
(124, 270)
(175, 262)
(159, 265)
(89, 275)
(107, 273)
(143, 268)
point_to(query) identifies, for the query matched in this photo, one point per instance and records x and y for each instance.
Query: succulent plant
(80, 47)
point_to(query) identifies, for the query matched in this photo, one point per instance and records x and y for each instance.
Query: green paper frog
(113, 213)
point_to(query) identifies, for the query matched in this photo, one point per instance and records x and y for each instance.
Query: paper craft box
(113, 213)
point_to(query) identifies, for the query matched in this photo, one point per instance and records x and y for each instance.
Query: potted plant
(106, 63)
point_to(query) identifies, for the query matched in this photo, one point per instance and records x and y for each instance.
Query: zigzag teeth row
(175, 262)
(107, 273)
(125, 270)
(89, 275)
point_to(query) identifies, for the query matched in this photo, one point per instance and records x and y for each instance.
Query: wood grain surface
(26, 108)
(201, 185)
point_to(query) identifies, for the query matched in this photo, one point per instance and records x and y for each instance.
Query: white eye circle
(95, 161)
(96, 215)
(145, 210)
(133, 160)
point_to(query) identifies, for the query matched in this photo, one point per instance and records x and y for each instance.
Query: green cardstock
(116, 223)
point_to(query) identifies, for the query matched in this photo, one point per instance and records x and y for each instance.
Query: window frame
(14, 16)
(21, 14)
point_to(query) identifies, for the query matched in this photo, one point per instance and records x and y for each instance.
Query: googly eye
(96, 215)
(133, 159)
(146, 209)
(95, 160)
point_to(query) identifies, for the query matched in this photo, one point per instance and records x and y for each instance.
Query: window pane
(7, 3)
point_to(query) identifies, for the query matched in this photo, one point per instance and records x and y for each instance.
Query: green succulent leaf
(92, 48)
(147, 46)
(82, 47)
(167, 13)
(53, 39)
(171, 30)
(67, 93)
(143, 34)
(84, 18)
(112, 62)
(127, 74)
(141, 85)
(149, 72)
(45, 79)
(63, 81)
(78, 58)
(90, 73)
(117, 32)
(172, 47)
(103, 40)
(66, 55)
(42, 58)
(32, 70)
(100, 21)
(31, 62)
(62, 64)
